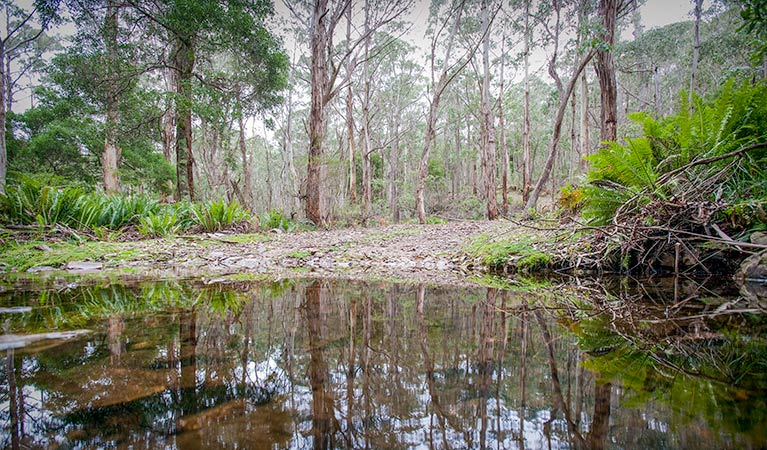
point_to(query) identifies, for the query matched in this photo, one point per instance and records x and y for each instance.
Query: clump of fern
(219, 214)
(711, 151)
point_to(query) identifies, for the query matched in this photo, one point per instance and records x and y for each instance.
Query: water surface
(320, 364)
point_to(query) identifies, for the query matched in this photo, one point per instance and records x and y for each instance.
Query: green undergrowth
(22, 256)
(513, 253)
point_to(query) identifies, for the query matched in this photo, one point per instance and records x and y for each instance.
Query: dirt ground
(422, 253)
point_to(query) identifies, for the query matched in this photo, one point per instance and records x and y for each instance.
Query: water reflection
(318, 364)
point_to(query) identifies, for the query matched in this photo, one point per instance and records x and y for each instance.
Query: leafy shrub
(219, 214)
(678, 158)
(570, 198)
(31, 202)
(275, 219)
(159, 225)
(434, 220)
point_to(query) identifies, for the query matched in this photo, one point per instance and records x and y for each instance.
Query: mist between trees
(327, 113)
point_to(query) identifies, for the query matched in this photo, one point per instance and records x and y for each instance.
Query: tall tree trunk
(184, 60)
(526, 163)
(111, 157)
(585, 138)
(504, 145)
(431, 120)
(3, 148)
(695, 49)
(392, 192)
(367, 167)
(488, 139)
(290, 175)
(605, 68)
(168, 119)
(350, 115)
(319, 82)
(248, 194)
(554, 147)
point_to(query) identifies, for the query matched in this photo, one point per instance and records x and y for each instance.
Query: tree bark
(111, 157)
(695, 49)
(168, 119)
(526, 163)
(585, 146)
(248, 194)
(184, 60)
(488, 139)
(431, 121)
(319, 82)
(3, 147)
(605, 68)
(367, 167)
(350, 115)
(502, 137)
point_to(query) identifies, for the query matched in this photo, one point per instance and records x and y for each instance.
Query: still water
(320, 364)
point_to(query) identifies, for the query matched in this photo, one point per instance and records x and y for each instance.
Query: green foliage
(434, 220)
(219, 214)
(275, 219)
(633, 174)
(519, 254)
(159, 225)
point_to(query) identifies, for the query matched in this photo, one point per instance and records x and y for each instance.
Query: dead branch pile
(680, 223)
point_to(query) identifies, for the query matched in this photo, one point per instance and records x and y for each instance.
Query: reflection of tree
(15, 405)
(485, 361)
(557, 386)
(323, 407)
(443, 418)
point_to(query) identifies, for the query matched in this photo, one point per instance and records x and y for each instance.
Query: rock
(754, 268)
(759, 237)
(40, 269)
(83, 266)
(754, 291)
(249, 263)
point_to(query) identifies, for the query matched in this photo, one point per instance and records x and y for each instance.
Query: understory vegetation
(31, 205)
(695, 178)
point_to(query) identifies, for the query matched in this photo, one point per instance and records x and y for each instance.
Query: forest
(168, 115)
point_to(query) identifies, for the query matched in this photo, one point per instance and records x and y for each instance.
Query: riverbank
(453, 253)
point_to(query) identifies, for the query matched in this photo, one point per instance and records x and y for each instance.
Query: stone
(754, 268)
(40, 269)
(83, 266)
(759, 237)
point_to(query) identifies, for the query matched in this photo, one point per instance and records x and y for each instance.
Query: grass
(299, 254)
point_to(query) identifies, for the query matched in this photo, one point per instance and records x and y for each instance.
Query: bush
(219, 214)
(681, 160)
(275, 219)
(159, 225)
(570, 198)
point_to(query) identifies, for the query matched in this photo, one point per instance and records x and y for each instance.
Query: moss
(299, 254)
(257, 277)
(22, 256)
(518, 253)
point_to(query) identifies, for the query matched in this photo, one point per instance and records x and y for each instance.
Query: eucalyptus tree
(564, 93)
(321, 19)
(196, 30)
(14, 37)
(447, 16)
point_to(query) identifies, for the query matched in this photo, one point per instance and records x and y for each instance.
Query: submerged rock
(8, 341)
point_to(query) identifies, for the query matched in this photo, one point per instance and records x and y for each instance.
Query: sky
(654, 13)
